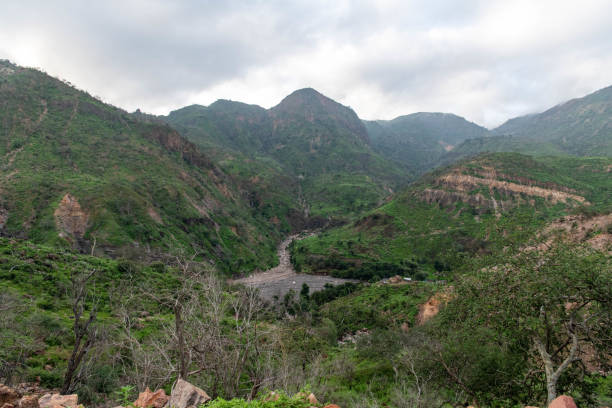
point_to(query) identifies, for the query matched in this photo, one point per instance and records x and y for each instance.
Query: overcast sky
(484, 60)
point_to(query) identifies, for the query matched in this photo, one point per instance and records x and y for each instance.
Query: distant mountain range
(320, 146)
(418, 141)
(230, 179)
(580, 127)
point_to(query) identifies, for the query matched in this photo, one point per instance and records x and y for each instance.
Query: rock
(7, 394)
(70, 218)
(186, 395)
(331, 406)
(48, 367)
(272, 396)
(563, 401)
(148, 398)
(57, 400)
(7, 405)
(312, 399)
(28, 401)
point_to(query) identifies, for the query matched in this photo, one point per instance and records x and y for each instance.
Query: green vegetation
(578, 127)
(497, 305)
(418, 141)
(309, 151)
(143, 190)
(429, 230)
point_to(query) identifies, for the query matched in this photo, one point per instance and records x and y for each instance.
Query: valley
(264, 254)
(275, 283)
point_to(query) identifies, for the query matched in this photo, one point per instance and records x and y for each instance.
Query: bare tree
(84, 329)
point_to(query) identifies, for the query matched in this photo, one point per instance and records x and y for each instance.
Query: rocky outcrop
(431, 308)
(57, 400)
(563, 401)
(186, 395)
(148, 398)
(466, 183)
(7, 395)
(28, 401)
(449, 198)
(70, 219)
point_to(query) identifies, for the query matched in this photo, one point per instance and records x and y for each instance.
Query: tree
(84, 328)
(541, 306)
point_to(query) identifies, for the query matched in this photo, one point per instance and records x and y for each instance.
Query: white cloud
(485, 60)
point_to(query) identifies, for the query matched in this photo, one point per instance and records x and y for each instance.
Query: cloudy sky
(486, 60)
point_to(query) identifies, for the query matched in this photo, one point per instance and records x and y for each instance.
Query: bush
(48, 379)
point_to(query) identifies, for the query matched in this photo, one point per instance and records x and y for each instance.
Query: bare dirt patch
(278, 281)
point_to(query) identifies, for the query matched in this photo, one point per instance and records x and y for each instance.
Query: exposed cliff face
(465, 183)
(485, 188)
(71, 220)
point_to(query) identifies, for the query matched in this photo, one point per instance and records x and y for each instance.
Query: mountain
(580, 127)
(76, 171)
(476, 206)
(310, 149)
(417, 141)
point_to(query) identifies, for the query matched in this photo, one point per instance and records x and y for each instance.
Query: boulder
(147, 398)
(563, 401)
(57, 400)
(312, 399)
(28, 401)
(185, 395)
(331, 406)
(7, 405)
(8, 395)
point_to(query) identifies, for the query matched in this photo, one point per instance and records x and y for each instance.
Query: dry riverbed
(283, 278)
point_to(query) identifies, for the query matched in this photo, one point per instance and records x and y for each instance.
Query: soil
(279, 280)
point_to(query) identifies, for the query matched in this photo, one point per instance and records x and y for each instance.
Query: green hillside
(478, 206)
(579, 127)
(319, 148)
(418, 141)
(78, 172)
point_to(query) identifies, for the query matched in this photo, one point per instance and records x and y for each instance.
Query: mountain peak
(305, 98)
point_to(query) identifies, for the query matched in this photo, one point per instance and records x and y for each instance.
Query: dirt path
(283, 278)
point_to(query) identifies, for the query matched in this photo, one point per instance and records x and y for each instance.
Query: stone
(7, 394)
(28, 401)
(563, 401)
(185, 395)
(312, 399)
(57, 400)
(331, 406)
(272, 396)
(147, 398)
(7, 405)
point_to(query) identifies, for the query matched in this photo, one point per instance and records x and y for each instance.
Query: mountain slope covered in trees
(418, 141)
(76, 171)
(579, 127)
(476, 206)
(320, 147)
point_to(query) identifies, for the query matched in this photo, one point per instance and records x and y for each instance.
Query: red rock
(563, 401)
(57, 400)
(148, 398)
(28, 401)
(7, 394)
(7, 405)
(312, 399)
(331, 406)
